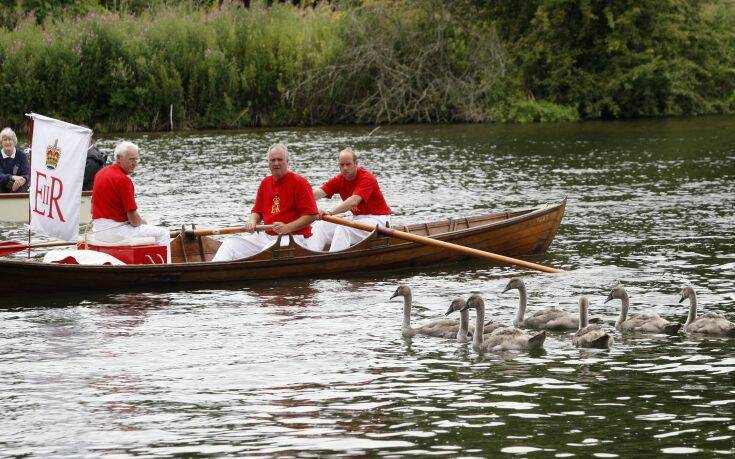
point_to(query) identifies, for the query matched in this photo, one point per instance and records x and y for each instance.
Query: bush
(531, 111)
(409, 61)
(214, 68)
(619, 59)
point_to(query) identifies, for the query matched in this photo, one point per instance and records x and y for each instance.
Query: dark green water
(318, 367)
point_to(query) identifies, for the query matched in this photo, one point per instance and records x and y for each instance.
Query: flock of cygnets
(497, 336)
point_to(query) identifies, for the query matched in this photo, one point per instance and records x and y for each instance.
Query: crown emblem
(53, 154)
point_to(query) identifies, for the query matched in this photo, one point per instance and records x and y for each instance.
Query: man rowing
(115, 217)
(360, 194)
(284, 200)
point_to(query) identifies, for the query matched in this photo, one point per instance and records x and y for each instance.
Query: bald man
(284, 200)
(360, 194)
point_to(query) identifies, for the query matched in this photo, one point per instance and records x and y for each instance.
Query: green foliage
(623, 58)
(199, 68)
(194, 64)
(14, 11)
(527, 111)
(410, 61)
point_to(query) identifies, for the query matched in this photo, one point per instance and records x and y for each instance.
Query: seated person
(15, 171)
(284, 200)
(115, 215)
(360, 194)
(95, 161)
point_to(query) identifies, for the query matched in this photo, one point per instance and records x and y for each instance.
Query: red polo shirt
(285, 200)
(113, 194)
(364, 185)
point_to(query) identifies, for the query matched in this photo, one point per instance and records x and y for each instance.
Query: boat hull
(14, 207)
(520, 233)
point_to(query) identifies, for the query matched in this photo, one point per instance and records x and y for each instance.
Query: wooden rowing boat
(14, 207)
(511, 233)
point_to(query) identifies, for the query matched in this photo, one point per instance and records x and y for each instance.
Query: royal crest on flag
(58, 156)
(53, 154)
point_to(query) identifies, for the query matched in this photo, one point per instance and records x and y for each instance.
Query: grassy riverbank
(197, 65)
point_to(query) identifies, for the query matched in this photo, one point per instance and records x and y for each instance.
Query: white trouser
(247, 245)
(112, 232)
(341, 237)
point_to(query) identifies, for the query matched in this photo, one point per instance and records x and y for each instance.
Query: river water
(307, 368)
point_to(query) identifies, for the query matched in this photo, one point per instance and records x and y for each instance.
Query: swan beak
(609, 297)
(682, 298)
(395, 295)
(507, 287)
(465, 307)
(449, 311)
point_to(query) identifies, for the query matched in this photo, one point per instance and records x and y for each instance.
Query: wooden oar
(8, 247)
(215, 231)
(437, 243)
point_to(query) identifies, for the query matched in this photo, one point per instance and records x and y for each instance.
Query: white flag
(58, 156)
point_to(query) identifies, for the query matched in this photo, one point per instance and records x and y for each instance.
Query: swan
(442, 328)
(590, 335)
(546, 319)
(465, 331)
(709, 323)
(641, 323)
(503, 338)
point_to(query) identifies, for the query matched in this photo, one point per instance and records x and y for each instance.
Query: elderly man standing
(360, 194)
(15, 171)
(284, 200)
(115, 217)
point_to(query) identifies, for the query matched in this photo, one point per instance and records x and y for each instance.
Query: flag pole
(30, 152)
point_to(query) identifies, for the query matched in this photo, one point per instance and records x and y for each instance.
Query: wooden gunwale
(524, 232)
(26, 195)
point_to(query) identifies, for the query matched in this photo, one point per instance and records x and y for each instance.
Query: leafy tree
(621, 58)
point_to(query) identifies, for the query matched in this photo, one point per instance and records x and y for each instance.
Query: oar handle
(443, 244)
(216, 231)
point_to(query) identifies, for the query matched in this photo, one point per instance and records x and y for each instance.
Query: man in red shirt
(284, 200)
(115, 217)
(360, 194)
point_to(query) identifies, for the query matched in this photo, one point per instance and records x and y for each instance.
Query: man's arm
(299, 223)
(345, 205)
(135, 219)
(318, 192)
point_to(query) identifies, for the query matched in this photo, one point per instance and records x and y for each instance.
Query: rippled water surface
(304, 368)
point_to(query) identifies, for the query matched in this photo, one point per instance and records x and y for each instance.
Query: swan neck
(692, 308)
(464, 324)
(522, 303)
(623, 309)
(479, 326)
(407, 312)
(582, 318)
